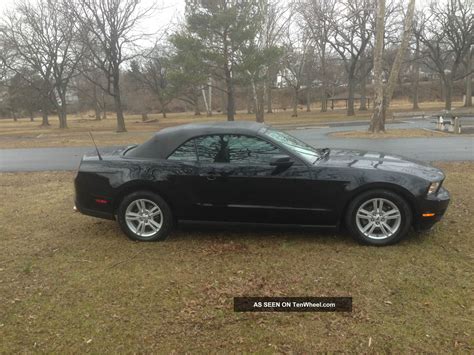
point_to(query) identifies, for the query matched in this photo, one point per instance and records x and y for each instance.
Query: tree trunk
(96, 103)
(363, 85)
(416, 76)
(206, 104)
(468, 102)
(258, 94)
(260, 104)
(251, 99)
(44, 114)
(295, 102)
(144, 116)
(118, 103)
(104, 107)
(448, 92)
(350, 99)
(62, 111)
(209, 113)
(197, 111)
(230, 97)
(32, 116)
(377, 122)
(269, 97)
(308, 99)
(383, 95)
(119, 111)
(228, 82)
(397, 64)
(97, 111)
(324, 97)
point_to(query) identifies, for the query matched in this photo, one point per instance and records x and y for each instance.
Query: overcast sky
(167, 12)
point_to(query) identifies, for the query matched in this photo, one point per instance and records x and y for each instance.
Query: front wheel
(379, 217)
(145, 216)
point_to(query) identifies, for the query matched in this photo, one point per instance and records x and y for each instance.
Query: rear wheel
(145, 216)
(379, 217)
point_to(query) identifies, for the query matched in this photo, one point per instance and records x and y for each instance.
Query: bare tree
(469, 76)
(297, 48)
(352, 32)
(318, 17)
(262, 55)
(383, 94)
(154, 73)
(41, 35)
(109, 32)
(276, 16)
(415, 75)
(446, 35)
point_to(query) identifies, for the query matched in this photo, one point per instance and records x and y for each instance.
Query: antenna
(95, 145)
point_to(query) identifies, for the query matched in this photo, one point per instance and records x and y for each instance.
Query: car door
(183, 180)
(238, 182)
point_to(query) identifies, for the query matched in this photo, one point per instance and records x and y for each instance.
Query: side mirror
(281, 161)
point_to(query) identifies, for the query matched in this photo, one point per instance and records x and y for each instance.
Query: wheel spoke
(155, 211)
(154, 225)
(374, 203)
(372, 228)
(368, 226)
(384, 231)
(132, 216)
(385, 226)
(392, 214)
(140, 228)
(362, 213)
(142, 205)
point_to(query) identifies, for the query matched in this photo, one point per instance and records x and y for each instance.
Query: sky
(167, 12)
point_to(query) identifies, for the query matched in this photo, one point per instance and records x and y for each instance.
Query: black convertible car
(251, 172)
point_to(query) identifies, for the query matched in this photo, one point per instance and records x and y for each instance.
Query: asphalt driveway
(455, 148)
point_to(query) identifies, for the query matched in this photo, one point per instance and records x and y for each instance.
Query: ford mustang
(249, 172)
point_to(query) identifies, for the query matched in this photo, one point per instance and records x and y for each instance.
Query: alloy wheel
(378, 218)
(144, 217)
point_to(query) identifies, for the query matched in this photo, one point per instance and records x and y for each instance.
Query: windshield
(293, 144)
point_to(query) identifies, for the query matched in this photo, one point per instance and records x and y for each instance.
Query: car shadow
(260, 232)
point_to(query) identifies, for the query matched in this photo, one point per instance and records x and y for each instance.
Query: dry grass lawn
(72, 284)
(392, 133)
(26, 134)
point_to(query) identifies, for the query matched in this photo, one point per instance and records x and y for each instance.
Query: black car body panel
(307, 193)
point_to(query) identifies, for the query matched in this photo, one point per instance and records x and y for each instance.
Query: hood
(360, 159)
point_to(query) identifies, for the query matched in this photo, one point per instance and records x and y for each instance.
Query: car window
(251, 150)
(234, 149)
(213, 148)
(185, 152)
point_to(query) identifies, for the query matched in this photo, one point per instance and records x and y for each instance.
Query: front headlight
(434, 187)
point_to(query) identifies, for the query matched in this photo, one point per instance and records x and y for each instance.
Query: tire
(145, 216)
(373, 225)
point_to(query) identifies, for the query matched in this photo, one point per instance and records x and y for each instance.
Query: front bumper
(432, 209)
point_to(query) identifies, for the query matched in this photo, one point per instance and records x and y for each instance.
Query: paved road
(451, 148)
(428, 149)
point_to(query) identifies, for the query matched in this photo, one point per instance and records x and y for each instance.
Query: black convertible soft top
(164, 142)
